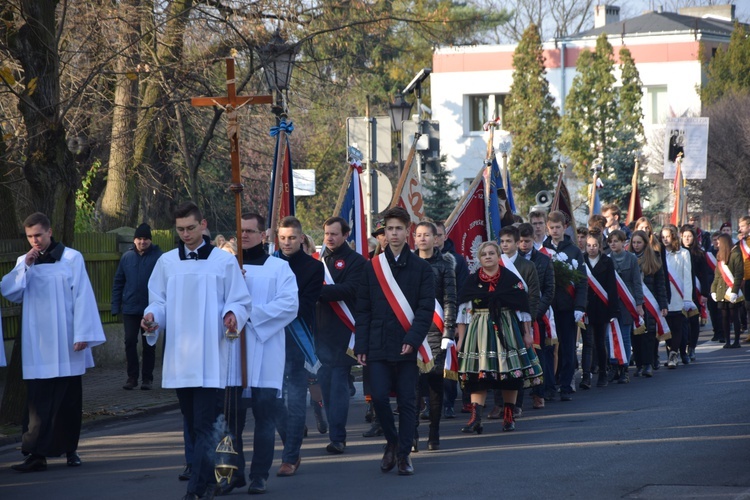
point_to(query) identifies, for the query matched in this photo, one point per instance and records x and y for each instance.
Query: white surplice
(273, 287)
(59, 309)
(189, 299)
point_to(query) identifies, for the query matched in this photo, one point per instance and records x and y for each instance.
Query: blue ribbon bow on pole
(286, 127)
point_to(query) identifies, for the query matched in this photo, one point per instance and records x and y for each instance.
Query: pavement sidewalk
(104, 400)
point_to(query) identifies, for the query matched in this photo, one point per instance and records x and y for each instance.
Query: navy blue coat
(379, 334)
(130, 288)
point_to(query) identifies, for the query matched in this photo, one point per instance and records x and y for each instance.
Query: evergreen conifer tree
(532, 119)
(437, 194)
(727, 69)
(590, 119)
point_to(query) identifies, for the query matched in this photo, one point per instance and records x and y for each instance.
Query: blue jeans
(450, 392)
(290, 419)
(566, 352)
(334, 383)
(403, 375)
(200, 406)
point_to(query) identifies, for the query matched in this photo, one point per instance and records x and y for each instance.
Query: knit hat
(143, 231)
(379, 228)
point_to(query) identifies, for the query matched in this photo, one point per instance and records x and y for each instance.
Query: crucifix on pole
(231, 103)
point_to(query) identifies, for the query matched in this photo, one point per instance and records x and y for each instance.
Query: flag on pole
(509, 192)
(352, 208)
(281, 201)
(595, 204)
(561, 202)
(493, 179)
(467, 224)
(679, 212)
(408, 193)
(635, 211)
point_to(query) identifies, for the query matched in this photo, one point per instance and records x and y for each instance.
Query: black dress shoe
(336, 447)
(389, 457)
(186, 473)
(433, 446)
(257, 486)
(405, 468)
(224, 487)
(191, 496)
(33, 463)
(73, 459)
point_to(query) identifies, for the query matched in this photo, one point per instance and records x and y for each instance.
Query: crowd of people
(512, 325)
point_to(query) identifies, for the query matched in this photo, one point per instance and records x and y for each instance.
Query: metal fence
(102, 255)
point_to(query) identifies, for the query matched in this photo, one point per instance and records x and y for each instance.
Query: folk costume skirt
(486, 362)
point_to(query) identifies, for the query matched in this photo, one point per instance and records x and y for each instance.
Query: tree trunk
(8, 218)
(157, 187)
(119, 203)
(49, 167)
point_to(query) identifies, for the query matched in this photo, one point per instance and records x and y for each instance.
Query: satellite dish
(544, 198)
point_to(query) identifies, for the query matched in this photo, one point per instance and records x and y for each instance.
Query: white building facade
(469, 84)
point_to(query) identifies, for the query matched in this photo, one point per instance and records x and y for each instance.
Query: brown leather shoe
(496, 413)
(405, 468)
(389, 457)
(288, 469)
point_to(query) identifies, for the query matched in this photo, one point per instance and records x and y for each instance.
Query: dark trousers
(334, 383)
(566, 352)
(200, 406)
(675, 320)
(713, 313)
(403, 375)
(643, 344)
(54, 416)
(292, 410)
(132, 325)
(262, 402)
(730, 315)
(594, 345)
(434, 382)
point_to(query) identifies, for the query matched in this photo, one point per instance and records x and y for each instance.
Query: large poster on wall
(689, 136)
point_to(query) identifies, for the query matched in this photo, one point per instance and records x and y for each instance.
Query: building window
(655, 105)
(482, 108)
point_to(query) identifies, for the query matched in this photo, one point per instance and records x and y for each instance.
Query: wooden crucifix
(231, 103)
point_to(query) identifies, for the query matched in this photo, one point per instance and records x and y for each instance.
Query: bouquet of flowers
(566, 270)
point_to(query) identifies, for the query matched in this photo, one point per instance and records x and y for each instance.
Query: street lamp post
(277, 60)
(399, 111)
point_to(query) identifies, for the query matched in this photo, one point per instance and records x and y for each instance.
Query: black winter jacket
(379, 334)
(546, 274)
(332, 336)
(461, 267)
(563, 300)
(604, 272)
(130, 288)
(443, 267)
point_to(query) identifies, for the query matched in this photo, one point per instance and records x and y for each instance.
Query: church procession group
(408, 310)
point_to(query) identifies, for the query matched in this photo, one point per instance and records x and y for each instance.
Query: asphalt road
(685, 433)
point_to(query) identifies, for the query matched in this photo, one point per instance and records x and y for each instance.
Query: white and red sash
(596, 286)
(616, 345)
(450, 370)
(652, 306)
(549, 324)
(711, 259)
(626, 298)
(438, 317)
(677, 283)
(342, 311)
(745, 248)
(509, 265)
(400, 306)
(728, 278)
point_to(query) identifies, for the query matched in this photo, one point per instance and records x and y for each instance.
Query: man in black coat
(546, 274)
(130, 298)
(388, 344)
(345, 267)
(309, 273)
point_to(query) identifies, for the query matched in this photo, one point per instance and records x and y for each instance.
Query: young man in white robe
(196, 293)
(273, 288)
(60, 323)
